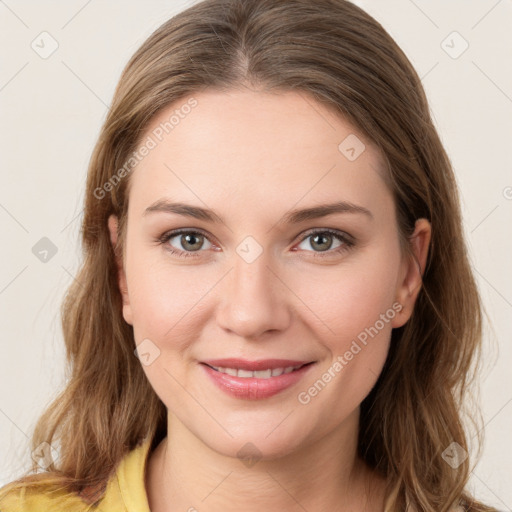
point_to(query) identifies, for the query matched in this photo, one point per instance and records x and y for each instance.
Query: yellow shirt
(125, 491)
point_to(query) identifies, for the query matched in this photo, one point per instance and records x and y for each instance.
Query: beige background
(51, 112)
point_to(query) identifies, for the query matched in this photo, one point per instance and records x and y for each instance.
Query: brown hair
(340, 56)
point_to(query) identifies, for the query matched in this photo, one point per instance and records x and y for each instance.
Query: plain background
(51, 112)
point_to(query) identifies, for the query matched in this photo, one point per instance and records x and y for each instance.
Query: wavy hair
(339, 56)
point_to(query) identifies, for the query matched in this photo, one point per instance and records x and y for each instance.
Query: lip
(252, 388)
(253, 366)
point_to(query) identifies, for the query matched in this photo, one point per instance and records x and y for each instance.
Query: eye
(322, 242)
(183, 243)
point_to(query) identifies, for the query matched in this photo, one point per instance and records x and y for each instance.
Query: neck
(184, 474)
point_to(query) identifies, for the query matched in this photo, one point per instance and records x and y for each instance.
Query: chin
(253, 442)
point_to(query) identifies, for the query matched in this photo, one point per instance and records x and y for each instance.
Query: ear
(410, 281)
(113, 225)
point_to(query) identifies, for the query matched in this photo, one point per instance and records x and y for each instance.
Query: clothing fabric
(125, 492)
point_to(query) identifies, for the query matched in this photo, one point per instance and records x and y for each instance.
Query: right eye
(183, 243)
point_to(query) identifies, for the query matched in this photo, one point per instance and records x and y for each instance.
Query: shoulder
(124, 491)
(16, 498)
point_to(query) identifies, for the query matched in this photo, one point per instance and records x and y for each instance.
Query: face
(259, 282)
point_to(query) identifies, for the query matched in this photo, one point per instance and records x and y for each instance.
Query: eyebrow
(293, 217)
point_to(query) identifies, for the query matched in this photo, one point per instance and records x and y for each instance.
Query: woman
(275, 309)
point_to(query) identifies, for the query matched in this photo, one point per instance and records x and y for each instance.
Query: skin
(252, 157)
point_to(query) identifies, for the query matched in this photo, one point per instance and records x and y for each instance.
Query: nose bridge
(254, 300)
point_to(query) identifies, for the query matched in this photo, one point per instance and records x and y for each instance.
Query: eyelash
(348, 243)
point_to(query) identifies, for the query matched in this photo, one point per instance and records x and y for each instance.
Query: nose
(254, 299)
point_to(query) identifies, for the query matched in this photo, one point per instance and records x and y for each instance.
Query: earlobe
(413, 269)
(113, 225)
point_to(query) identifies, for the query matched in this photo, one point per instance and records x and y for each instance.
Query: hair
(344, 59)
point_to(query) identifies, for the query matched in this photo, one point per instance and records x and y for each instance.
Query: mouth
(255, 380)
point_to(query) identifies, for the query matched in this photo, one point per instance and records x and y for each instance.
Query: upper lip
(262, 364)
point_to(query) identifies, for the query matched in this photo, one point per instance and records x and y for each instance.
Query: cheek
(162, 301)
(356, 313)
(166, 304)
(353, 310)
(350, 298)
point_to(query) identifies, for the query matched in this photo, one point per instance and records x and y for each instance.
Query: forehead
(263, 148)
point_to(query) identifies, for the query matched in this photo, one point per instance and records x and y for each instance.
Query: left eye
(323, 240)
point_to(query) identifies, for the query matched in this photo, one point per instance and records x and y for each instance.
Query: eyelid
(338, 232)
(165, 237)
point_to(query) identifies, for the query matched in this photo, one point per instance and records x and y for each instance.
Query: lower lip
(251, 388)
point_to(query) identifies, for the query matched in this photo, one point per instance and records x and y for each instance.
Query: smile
(256, 384)
(259, 374)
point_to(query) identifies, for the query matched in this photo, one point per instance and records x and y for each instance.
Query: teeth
(262, 374)
(259, 374)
